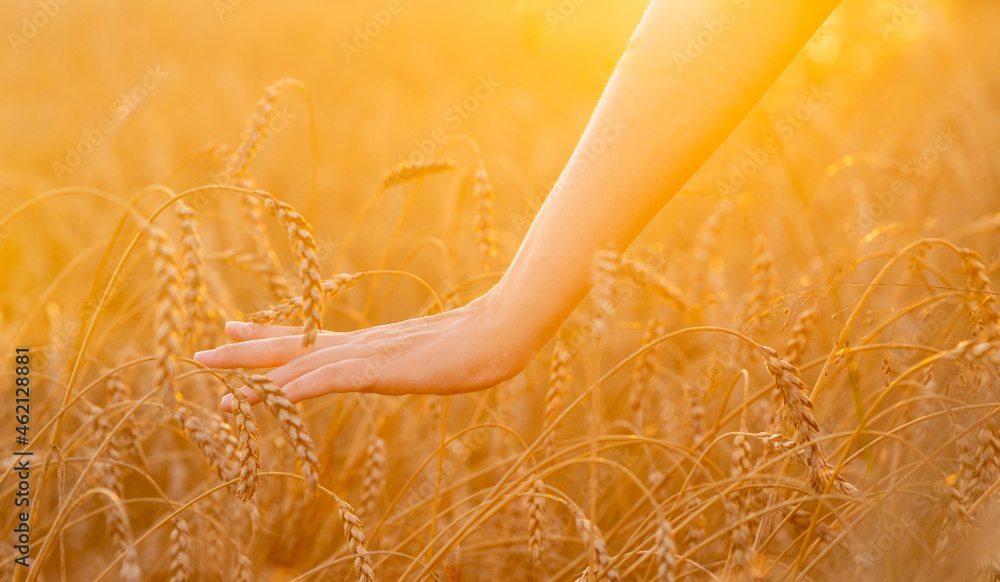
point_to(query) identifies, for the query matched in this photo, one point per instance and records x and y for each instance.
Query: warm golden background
(888, 133)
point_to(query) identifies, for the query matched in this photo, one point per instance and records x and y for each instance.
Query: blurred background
(887, 131)
(387, 80)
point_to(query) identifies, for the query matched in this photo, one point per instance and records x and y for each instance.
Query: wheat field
(794, 373)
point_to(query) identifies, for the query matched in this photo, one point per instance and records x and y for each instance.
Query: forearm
(663, 113)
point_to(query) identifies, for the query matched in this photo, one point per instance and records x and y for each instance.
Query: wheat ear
(453, 565)
(642, 374)
(986, 463)
(244, 569)
(984, 300)
(127, 439)
(356, 541)
(169, 312)
(605, 270)
(292, 308)
(180, 552)
(558, 390)
(762, 283)
(108, 476)
(261, 265)
(204, 440)
(406, 172)
(304, 245)
(121, 538)
(484, 215)
(193, 268)
(801, 333)
(229, 444)
(605, 571)
(537, 541)
(292, 425)
(796, 410)
(666, 551)
(248, 436)
(653, 281)
(374, 480)
(255, 131)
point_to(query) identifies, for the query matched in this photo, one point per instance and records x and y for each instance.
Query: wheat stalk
(762, 283)
(558, 390)
(169, 312)
(796, 411)
(696, 530)
(537, 541)
(984, 301)
(356, 541)
(223, 433)
(253, 134)
(108, 476)
(484, 215)
(801, 333)
(180, 551)
(653, 281)
(193, 268)
(293, 308)
(406, 172)
(605, 271)
(957, 522)
(591, 534)
(121, 537)
(261, 265)
(248, 436)
(666, 551)
(706, 238)
(804, 519)
(453, 565)
(742, 547)
(373, 488)
(986, 463)
(127, 439)
(696, 403)
(304, 245)
(204, 440)
(244, 569)
(264, 261)
(292, 425)
(739, 463)
(777, 442)
(642, 374)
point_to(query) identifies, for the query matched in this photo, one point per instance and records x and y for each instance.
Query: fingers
(255, 353)
(338, 377)
(335, 369)
(379, 360)
(240, 331)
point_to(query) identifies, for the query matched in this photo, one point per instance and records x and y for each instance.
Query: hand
(462, 350)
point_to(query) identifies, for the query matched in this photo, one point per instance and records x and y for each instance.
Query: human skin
(667, 112)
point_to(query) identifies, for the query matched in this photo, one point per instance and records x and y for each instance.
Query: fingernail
(202, 356)
(227, 399)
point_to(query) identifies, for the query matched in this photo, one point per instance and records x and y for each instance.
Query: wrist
(529, 304)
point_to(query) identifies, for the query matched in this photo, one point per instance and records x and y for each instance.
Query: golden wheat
(872, 272)
(291, 423)
(249, 445)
